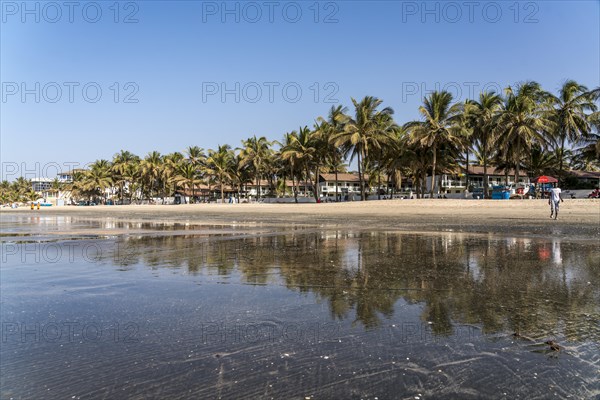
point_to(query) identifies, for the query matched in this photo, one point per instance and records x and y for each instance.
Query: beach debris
(553, 345)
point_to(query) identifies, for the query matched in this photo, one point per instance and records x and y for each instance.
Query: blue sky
(161, 66)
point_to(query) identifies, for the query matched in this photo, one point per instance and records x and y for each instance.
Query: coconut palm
(522, 123)
(195, 155)
(363, 133)
(396, 158)
(56, 187)
(187, 176)
(587, 154)
(241, 174)
(220, 164)
(481, 116)
(312, 149)
(98, 179)
(256, 152)
(541, 161)
(328, 129)
(569, 115)
(388, 130)
(171, 163)
(121, 165)
(291, 153)
(151, 169)
(440, 125)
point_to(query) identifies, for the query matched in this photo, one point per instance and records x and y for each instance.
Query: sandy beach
(580, 217)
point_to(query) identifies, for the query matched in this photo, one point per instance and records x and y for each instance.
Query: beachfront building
(52, 190)
(347, 185)
(456, 183)
(67, 176)
(265, 188)
(42, 186)
(589, 179)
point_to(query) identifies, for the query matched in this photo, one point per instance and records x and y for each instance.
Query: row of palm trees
(19, 190)
(526, 127)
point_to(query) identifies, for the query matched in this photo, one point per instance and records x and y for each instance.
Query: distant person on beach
(554, 199)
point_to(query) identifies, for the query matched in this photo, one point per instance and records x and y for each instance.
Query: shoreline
(577, 217)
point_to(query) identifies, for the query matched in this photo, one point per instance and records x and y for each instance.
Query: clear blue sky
(179, 53)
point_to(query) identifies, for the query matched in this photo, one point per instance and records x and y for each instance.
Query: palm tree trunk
(257, 187)
(517, 163)
(222, 190)
(433, 166)
(379, 179)
(307, 179)
(486, 191)
(360, 178)
(294, 189)
(316, 184)
(336, 185)
(486, 179)
(467, 171)
(562, 152)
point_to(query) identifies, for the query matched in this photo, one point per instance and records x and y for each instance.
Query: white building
(453, 183)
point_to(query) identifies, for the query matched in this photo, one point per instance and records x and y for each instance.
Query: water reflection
(298, 312)
(528, 285)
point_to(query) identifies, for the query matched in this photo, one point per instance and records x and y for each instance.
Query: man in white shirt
(554, 201)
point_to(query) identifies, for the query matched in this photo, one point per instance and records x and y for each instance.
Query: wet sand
(579, 217)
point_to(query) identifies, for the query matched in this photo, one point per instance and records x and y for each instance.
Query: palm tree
(328, 129)
(170, 166)
(151, 170)
(398, 158)
(439, 126)
(481, 116)
(587, 155)
(389, 130)
(56, 187)
(220, 164)
(541, 161)
(195, 155)
(187, 175)
(522, 123)
(121, 165)
(290, 153)
(307, 149)
(256, 153)
(98, 179)
(363, 133)
(569, 115)
(240, 174)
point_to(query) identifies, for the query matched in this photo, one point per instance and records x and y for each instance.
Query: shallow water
(141, 310)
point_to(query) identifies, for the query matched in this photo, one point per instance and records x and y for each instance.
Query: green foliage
(526, 127)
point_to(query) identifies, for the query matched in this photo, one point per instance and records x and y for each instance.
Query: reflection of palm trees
(502, 285)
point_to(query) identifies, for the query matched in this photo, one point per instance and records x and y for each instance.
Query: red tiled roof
(342, 177)
(585, 174)
(478, 170)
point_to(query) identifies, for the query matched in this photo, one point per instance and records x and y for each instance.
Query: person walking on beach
(554, 199)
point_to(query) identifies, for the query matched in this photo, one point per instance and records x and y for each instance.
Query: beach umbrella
(545, 179)
(541, 180)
